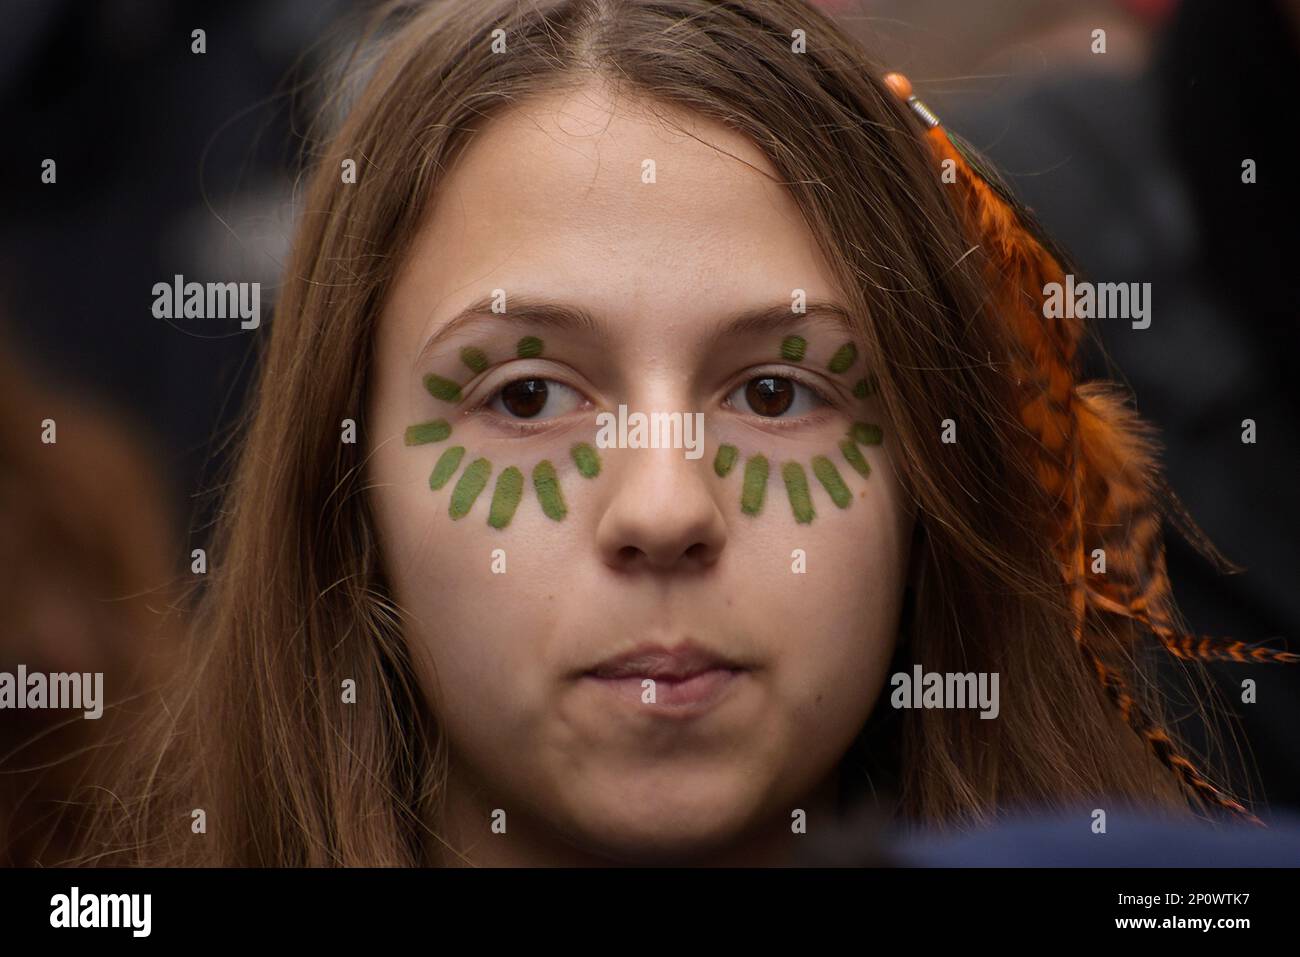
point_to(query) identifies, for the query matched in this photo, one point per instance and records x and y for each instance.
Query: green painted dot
(796, 487)
(844, 357)
(529, 347)
(441, 388)
(829, 476)
(755, 485)
(547, 485)
(586, 459)
(793, 348)
(853, 455)
(434, 431)
(864, 433)
(725, 460)
(446, 467)
(471, 482)
(505, 497)
(865, 387)
(476, 359)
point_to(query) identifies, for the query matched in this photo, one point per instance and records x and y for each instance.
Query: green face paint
(793, 348)
(434, 431)
(844, 357)
(796, 486)
(529, 347)
(446, 467)
(755, 485)
(441, 388)
(509, 489)
(864, 433)
(865, 387)
(468, 486)
(547, 485)
(725, 460)
(853, 456)
(795, 477)
(586, 459)
(829, 476)
(505, 497)
(476, 359)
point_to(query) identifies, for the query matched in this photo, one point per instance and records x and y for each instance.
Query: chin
(678, 822)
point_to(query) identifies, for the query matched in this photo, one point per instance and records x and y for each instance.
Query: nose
(663, 515)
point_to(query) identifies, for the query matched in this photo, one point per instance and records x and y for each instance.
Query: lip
(685, 661)
(688, 679)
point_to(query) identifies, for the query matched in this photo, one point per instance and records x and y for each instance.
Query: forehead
(602, 200)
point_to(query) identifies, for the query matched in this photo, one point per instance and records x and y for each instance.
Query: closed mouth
(678, 664)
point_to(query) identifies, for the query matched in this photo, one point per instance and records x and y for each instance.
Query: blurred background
(172, 163)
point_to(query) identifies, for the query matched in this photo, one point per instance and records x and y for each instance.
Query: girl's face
(646, 653)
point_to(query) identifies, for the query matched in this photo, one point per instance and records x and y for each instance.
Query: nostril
(631, 555)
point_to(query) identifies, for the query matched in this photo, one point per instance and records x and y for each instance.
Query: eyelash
(520, 426)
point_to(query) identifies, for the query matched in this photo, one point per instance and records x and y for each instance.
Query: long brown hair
(296, 601)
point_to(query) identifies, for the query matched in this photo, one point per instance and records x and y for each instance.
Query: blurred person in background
(90, 557)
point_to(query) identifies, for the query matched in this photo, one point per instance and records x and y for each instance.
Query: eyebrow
(568, 317)
(532, 310)
(779, 317)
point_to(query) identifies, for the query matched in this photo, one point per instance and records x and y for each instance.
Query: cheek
(829, 595)
(480, 604)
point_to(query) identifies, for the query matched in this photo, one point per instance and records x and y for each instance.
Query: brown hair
(297, 600)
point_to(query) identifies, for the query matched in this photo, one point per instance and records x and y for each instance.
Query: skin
(548, 201)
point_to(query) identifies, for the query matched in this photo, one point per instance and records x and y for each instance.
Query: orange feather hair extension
(1093, 455)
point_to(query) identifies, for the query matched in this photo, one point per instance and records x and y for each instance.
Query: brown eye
(535, 398)
(769, 395)
(525, 398)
